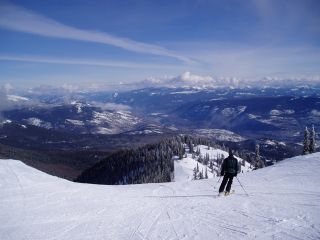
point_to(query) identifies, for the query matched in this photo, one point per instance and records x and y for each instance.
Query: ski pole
(217, 183)
(242, 186)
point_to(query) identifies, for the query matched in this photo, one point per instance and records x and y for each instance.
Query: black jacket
(230, 165)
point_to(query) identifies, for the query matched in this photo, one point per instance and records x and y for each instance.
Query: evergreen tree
(201, 174)
(211, 165)
(195, 174)
(258, 161)
(198, 151)
(206, 173)
(257, 152)
(243, 162)
(181, 154)
(190, 145)
(312, 144)
(306, 143)
(206, 159)
(149, 163)
(236, 153)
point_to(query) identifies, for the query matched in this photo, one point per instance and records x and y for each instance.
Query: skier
(229, 169)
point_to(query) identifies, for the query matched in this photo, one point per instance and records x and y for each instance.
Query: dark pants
(228, 177)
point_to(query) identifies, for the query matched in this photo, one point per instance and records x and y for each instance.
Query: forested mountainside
(151, 163)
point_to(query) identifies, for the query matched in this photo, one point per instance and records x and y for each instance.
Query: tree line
(152, 163)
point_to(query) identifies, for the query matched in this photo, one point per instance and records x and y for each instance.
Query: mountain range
(107, 121)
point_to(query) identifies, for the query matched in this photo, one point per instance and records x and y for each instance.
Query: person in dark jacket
(229, 170)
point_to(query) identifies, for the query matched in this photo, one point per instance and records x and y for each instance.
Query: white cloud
(7, 88)
(251, 59)
(89, 62)
(16, 18)
(112, 106)
(315, 112)
(187, 79)
(5, 104)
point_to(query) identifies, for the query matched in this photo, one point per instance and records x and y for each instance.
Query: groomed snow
(284, 203)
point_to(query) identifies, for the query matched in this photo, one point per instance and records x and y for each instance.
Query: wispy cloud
(252, 61)
(16, 18)
(287, 21)
(88, 62)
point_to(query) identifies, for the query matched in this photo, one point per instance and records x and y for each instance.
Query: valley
(75, 130)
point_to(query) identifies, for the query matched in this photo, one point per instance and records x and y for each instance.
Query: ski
(229, 193)
(226, 193)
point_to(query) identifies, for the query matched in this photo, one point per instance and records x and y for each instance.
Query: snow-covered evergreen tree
(306, 143)
(198, 151)
(243, 162)
(312, 144)
(257, 153)
(201, 174)
(190, 145)
(211, 165)
(258, 161)
(195, 174)
(206, 173)
(200, 159)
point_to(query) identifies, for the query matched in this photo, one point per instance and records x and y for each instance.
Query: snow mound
(283, 203)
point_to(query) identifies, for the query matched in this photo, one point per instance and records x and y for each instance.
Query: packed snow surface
(283, 203)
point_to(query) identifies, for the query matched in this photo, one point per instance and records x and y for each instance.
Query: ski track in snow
(283, 203)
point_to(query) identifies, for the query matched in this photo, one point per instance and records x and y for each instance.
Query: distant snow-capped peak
(15, 98)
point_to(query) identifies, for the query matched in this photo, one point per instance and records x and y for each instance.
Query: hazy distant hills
(80, 118)
(277, 113)
(107, 121)
(280, 118)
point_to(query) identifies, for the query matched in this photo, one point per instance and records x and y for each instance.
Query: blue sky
(79, 41)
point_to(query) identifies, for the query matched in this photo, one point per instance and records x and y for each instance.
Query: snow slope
(183, 169)
(284, 203)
